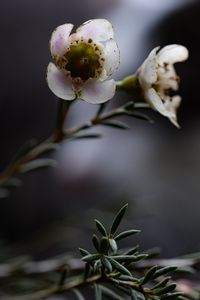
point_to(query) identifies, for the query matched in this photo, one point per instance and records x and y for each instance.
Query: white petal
(167, 109)
(172, 54)
(112, 57)
(148, 70)
(176, 101)
(155, 101)
(96, 92)
(173, 105)
(174, 121)
(97, 30)
(59, 39)
(59, 84)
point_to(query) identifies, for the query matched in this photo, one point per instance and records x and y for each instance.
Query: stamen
(83, 60)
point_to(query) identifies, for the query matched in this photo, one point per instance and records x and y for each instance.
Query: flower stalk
(34, 152)
(63, 109)
(129, 84)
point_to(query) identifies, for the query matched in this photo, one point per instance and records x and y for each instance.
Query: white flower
(157, 77)
(84, 60)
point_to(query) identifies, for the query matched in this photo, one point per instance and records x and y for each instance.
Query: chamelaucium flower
(157, 78)
(84, 61)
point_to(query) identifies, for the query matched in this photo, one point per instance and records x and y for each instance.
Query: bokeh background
(155, 167)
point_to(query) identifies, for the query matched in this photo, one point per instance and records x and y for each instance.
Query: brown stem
(58, 136)
(44, 294)
(15, 168)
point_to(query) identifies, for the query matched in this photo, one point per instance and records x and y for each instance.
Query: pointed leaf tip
(118, 219)
(78, 294)
(100, 227)
(125, 234)
(95, 241)
(119, 266)
(84, 252)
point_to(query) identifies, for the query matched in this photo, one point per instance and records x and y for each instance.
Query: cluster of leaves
(110, 272)
(130, 109)
(22, 165)
(32, 155)
(113, 270)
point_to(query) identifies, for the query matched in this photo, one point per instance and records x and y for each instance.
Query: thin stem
(129, 84)
(97, 120)
(63, 108)
(15, 168)
(58, 136)
(101, 108)
(44, 294)
(78, 282)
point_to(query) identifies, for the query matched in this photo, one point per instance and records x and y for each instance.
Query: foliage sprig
(110, 272)
(115, 268)
(34, 156)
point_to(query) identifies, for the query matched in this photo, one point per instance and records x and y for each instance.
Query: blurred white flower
(84, 60)
(157, 78)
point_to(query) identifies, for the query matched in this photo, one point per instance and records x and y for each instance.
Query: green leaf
(12, 183)
(138, 105)
(110, 293)
(7, 185)
(118, 219)
(186, 269)
(162, 283)
(139, 115)
(27, 147)
(100, 227)
(166, 289)
(36, 164)
(78, 294)
(86, 136)
(84, 252)
(133, 294)
(96, 242)
(104, 245)
(87, 270)
(106, 264)
(182, 298)
(149, 274)
(98, 292)
(91, 257)
(175, 295)
(50, 147)
(115, 124)
(140, 257)
(126, 291)
(164, 271)
(125, 234)
(97, 266)
(128, 278)
(119, 267)
(129, 258)
(113, 245)
(133, 106)
(132, 250)
(129, 106)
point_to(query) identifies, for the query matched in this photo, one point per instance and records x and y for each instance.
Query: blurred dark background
(155, 168)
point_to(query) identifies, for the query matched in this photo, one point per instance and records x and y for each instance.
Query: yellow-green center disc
(82, 61)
